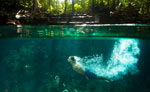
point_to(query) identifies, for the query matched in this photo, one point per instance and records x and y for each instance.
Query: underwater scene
(44, 62)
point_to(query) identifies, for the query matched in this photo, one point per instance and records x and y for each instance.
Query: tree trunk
(65, 11)
(117, 2)
(35, 5)
(93, 4)
(108, 3)
(102, 3)
(49, 3)
(113, 5)
(73, 7)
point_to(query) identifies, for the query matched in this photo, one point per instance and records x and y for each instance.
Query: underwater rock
(86, 91)
(64, 85)
(65, 90)
(57, 79)
(101, 86)
(75, 90)
(56, 82)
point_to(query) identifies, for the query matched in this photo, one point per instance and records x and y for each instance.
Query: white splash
(123, 60)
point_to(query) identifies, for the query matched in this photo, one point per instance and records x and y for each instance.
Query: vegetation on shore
(125, 11)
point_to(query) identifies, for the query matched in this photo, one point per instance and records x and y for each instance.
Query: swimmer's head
(71, 59)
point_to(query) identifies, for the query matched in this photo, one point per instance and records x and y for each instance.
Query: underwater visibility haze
(41, 64)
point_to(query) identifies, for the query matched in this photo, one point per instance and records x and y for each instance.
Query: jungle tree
(35, 5)
(73, 7)
(65, 10)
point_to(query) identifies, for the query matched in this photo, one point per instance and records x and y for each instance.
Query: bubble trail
(123, 60)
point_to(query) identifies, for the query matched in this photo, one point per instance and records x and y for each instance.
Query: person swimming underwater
(86, 72)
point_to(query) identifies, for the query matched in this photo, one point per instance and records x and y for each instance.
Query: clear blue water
(41, 64)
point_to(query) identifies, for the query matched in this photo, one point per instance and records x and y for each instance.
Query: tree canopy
(59, 7)
(80, 6)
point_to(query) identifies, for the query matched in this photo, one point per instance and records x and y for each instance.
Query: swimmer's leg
(90, 75)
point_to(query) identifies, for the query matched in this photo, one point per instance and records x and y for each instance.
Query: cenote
(36, 58)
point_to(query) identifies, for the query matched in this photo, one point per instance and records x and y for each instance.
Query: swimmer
(86, 72)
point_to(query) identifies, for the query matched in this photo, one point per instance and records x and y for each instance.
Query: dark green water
(33, 63)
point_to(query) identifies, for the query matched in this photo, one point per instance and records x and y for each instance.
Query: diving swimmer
(86, 72)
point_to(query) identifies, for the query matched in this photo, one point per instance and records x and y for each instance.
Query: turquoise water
(33, 62)
(76, 31)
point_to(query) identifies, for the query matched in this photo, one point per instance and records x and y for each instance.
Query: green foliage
(28, 4)
(57, 6)
(78, 8)
(69, 9)
(105, 2)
